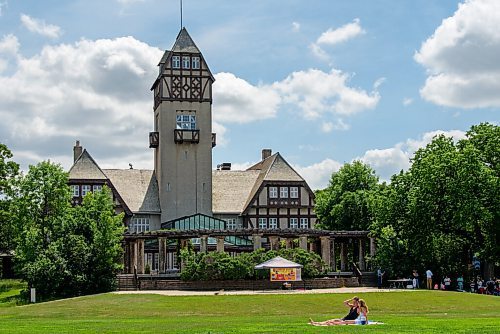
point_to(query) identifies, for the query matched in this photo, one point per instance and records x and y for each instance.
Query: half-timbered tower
(182, 137)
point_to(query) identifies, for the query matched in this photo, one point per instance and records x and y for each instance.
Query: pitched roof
(184, 43)
(137, 187)
(273, 168)
(86, 168)
(278, 262)
(231, 190)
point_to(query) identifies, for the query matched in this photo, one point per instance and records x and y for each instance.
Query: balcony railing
(214, 139)
(154, 139)
(186, 136)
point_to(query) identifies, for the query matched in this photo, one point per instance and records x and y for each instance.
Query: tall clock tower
(182, 137)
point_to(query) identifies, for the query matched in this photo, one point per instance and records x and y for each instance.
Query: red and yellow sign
(285, 274)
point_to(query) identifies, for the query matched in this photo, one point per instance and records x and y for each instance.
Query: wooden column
(162, 255)
(257, 241)
(133, 256)
(326, 251)
(361, 255)
(274, 241)
(204, 244)
(220, 244)
(334, 259)
(140, 256)
(126, 257)
(343, 256)
(303, 242)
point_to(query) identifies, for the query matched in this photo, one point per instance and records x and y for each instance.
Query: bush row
(222, 266)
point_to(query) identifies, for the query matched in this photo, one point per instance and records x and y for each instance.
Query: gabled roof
(137, 187)
(273, 168)
(184, 43)
(231, 189)
(85, 168)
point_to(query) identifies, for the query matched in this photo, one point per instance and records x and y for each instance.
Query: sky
(323, 82)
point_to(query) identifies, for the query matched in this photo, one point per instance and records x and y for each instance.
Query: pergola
(326, 240)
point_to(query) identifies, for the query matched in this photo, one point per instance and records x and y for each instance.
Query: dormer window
(196, 63)
(186, 62)
(176, 62)
(186, 122)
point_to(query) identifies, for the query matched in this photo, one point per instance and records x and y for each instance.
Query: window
(294, 223)
(186, 122)
(284, 192)
(262, 222)
(273, 222)
(196, 63)
(85, 189)
(75, 190)
(294, 192)
(231, 223)
(304, 223)
(97, 188)
(273, 192)
(186, 62)
(139, 225)
(176, 61)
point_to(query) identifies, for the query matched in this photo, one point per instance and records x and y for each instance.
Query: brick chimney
(77, 151)
(266, 153)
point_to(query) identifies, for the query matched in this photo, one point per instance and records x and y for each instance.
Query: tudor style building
(183, 187)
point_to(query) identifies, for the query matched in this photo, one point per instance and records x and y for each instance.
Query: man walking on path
(429, 275)
(380, 275)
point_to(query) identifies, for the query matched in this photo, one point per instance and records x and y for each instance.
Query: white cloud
(3, 4)
(9, 45)
(220, 131)
(237, 101)
(316, 92)
(342, 34)
(95, 91)
(336, 36)
(407, 101)
(318, 175)
(295, 26)
(339, 124)
(461, 57)
(318, 52)
(40, 27)
(390, 161)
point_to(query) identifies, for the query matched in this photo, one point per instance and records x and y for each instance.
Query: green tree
(439, 212)
(344, 204)
(95, 220)
(63, 250)
(8, 171)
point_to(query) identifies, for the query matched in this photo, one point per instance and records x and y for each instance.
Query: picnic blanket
(334, 324)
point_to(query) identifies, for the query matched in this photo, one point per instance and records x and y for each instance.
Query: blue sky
(322, 82)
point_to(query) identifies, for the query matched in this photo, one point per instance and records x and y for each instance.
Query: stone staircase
(126, 282)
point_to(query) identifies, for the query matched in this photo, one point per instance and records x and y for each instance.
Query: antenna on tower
(181, 13)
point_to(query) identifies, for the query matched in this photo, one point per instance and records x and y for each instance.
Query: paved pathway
(261, 292)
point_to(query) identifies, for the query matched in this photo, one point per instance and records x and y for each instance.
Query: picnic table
(399, 283)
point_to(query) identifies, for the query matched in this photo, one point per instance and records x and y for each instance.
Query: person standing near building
(416, 284)
(429, 275)
(447, 283)
(380, 275)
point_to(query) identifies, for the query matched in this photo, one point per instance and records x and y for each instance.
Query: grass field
(401, 312)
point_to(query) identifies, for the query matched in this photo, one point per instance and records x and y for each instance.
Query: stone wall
(153, 283)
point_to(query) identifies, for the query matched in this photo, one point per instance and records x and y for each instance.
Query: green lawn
(402, 312)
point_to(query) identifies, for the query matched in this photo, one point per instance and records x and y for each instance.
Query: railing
(186, 136)
(154, 139)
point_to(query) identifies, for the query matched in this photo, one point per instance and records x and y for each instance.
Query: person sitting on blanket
(361, 317)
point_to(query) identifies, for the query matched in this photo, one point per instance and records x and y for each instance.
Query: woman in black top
(353, 305)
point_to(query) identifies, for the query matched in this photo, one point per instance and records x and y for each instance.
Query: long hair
(362, 304)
